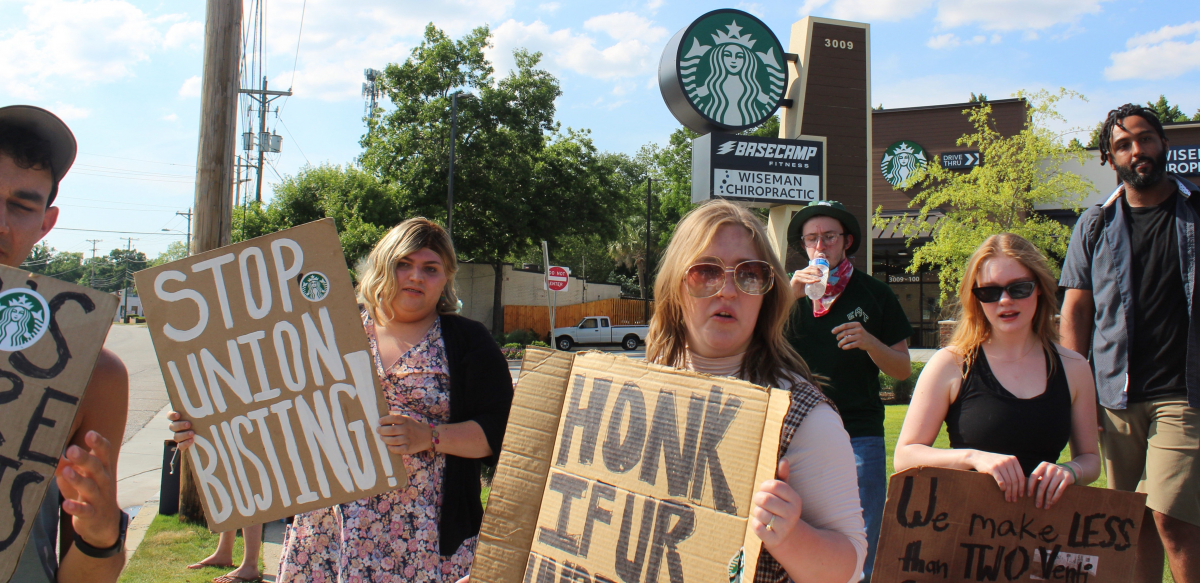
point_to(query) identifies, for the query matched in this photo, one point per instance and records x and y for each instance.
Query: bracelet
(1074, 477)
(433, 431)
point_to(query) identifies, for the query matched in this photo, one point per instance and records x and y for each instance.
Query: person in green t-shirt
(848, 335)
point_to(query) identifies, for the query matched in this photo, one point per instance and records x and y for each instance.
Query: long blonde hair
(377, 275)
(973, 328)
(769, 357)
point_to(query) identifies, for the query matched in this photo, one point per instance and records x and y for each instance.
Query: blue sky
(125, 74)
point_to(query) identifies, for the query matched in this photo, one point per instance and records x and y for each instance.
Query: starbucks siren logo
(730, 69)
(24, 318)
(314, 286)
(901, 161)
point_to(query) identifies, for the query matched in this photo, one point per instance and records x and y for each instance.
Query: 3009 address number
(839, 44)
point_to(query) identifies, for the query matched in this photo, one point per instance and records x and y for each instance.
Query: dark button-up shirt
(1103, 266)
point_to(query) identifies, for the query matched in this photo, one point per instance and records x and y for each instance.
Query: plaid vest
(804, 397)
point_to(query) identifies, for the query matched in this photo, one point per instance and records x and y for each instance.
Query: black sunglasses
(1017, 291)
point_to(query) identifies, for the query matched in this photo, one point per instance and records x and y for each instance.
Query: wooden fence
(537, 318)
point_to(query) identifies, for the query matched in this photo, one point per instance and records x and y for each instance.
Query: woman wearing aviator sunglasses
(723, 299)
(1011, 396)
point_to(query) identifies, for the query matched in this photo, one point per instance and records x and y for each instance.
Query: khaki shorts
(1154, 448)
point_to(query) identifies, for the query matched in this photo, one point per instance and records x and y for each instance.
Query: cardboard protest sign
(50, 334)
(619, 470)
(941, 524)
(262, 348)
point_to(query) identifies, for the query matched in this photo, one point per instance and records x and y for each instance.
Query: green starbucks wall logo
(901, 161)
(24, 318)
(724, 72)
(314, 286)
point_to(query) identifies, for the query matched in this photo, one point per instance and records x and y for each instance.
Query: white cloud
(752, 7)
(1006, 15)
(82, 41)
(69, 112)
(1160, 54)
(868, 10)
(341, 39)
(189, 33)
(634, 53)
(654, 5)
(1002, 15)
(951, 40)
(550, 7)
(170, 117)
(190, 87)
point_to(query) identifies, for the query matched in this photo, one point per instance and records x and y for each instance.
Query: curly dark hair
(28, 150)
(1116, 118)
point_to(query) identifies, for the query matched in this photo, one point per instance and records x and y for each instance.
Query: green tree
(175, 251)
(363, 207)
(518, 178)
(1022, 171)
(114, 271)
(981, 98)
(45, 260)
(1165, 111)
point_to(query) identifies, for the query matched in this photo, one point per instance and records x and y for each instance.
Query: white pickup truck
(597, 330)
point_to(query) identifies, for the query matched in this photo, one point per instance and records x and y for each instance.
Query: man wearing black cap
(36, 150)
(848, 335)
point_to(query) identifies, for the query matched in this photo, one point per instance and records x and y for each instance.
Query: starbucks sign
(901, 161)
(724, 72)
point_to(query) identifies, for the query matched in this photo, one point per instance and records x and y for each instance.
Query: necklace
(1017, 359)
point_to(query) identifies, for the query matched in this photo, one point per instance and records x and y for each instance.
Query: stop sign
(556, 278)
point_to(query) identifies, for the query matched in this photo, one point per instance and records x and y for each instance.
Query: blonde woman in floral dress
(449, 392)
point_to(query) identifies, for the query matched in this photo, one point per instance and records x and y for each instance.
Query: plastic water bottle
(815, 290)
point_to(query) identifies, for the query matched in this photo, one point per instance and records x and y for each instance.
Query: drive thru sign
(556, 278)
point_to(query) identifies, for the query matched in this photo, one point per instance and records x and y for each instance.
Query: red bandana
(838, 279)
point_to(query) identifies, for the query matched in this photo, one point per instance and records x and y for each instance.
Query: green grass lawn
(169, 547)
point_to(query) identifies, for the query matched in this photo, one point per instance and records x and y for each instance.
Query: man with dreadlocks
(1131, 273)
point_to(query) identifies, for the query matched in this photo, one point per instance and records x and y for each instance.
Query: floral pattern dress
(394, 536)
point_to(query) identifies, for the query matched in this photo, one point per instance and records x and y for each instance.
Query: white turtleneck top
(821, 461)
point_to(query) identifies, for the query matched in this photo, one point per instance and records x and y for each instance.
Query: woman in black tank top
(1011, 397)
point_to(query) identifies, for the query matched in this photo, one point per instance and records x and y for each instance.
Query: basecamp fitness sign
(724, 72)
(759, 171)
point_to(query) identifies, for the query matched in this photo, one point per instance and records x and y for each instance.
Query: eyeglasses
(830, 239)
(705, 280)
(1017, 291)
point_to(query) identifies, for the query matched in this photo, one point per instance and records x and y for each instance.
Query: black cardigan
(481, 390)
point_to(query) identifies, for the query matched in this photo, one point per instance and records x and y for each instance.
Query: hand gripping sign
(618, 470)
(941, 524)
(50, 334)
(262, 348)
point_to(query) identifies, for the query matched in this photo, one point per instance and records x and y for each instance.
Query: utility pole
(450, 175)
(264, 99)
(214, 164)
(125, 277)
(189, 231)
(92, 276)
(646, 280)
(546, 280)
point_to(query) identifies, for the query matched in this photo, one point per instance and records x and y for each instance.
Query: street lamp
(189, 239)
(646, 282)
(450, 178)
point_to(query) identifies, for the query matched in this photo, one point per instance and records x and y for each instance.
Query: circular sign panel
(24, 318)
(724, 72)
(901, 161)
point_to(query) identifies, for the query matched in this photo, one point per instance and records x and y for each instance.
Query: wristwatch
(105, 553)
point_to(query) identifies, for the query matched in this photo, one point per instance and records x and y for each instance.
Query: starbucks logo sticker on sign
(24, 318)
(724, 72)
(901, 161)
(314, 286)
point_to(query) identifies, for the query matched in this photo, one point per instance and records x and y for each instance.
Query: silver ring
(769, 523)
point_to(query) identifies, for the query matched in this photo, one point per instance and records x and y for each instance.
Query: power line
(289, 131)
(62, 197)
(121, 232)
(138, 160)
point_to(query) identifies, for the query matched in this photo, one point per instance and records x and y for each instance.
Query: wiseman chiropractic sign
(263, 350)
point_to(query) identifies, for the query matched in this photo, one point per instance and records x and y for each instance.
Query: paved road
(147, 394)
